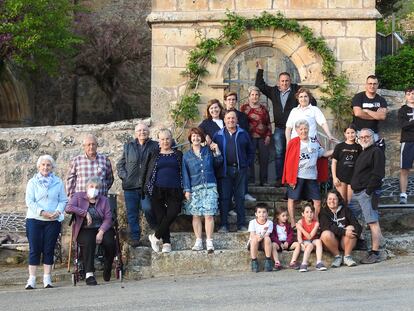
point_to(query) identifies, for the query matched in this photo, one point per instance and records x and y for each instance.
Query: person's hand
(337, 182)
(55, 215)
(99, 237)
(214, 147)
(267, 140)
(187, 195)
(88, 219)
(46, 215)
(350, 234)
(292, 186)
(259, 64)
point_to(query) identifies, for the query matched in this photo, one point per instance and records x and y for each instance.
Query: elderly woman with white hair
(46, 200)
(260, 131)
(93, 225)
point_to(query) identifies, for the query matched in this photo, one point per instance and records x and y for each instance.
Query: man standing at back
(131, 168)
(369, 108)
(283, 101)
(89, 164)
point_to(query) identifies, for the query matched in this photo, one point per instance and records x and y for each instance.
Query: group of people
(214, 172)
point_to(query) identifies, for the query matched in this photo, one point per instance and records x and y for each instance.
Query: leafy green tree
(37, 33)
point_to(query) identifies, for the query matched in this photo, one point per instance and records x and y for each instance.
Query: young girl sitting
(307, 228)
(282, 239)
(343, 161)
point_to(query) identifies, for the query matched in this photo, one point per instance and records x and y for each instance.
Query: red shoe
(277, 266)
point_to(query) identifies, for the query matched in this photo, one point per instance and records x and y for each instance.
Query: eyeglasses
(365, 137)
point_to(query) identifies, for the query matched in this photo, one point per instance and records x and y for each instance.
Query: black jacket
(369, 170)
(337, 222)
(406, 122)
(280, 114)
(134, 160)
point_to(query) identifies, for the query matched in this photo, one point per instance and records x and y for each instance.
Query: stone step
(401, 244)
(192, 263)
(231, 240)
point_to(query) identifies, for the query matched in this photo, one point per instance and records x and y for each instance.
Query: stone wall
(21, 147)
(348, 27)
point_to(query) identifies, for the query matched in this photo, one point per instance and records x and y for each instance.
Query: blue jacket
(244, 150)
(198, 171)
(39, 198)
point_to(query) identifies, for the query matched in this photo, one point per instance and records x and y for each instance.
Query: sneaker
(349, 261)
(248, 197)
(370, 259)
(403, 198)
(242, 229)
(320, 266)
(277, 266)
(303, 268)
(91, 281)
(255, 266)
(223, 229)
(337, 262)
(294, 265)
(268, 265)
(198, 245)
(210, 246)
(31, 283)
(154, 243)
(232, 213)
(166, 248)
(47, 281)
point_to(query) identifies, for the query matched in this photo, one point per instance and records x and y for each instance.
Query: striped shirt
(82, 168)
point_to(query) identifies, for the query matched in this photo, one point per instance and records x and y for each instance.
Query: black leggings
(87, 242)
(166, 205)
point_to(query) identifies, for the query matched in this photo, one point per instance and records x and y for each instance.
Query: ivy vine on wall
(335, 96)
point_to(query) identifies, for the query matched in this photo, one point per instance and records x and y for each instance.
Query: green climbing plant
(335, 98)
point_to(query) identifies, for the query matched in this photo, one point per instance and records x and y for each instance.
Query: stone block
(369, 47)
(164, 5)
(193, 5)
(308, 4)
(304, 56)
(358, 70)
(288, 43)
(361, 29)
(174, 36)
(369, 4)
(345, 4)
(349, 49)
(251, 5)
(314, 25)
(181, 56)
(159, 56)
(221, 4)
(171, 57)
(333, 29)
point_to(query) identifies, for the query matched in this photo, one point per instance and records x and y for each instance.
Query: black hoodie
(338, 221)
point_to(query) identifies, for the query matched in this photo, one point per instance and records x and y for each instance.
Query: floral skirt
(204, 201)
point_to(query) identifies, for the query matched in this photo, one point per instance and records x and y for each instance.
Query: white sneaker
(154, 243)
(47, 281)
(31, 283)
(166, 248)
(349, 261)
(210, 246)
(248, 197)
(198, 246)
(403, 198)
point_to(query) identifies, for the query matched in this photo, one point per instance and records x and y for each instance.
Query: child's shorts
(261, 247)
(407, 155)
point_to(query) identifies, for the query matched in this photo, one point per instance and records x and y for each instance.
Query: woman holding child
(340, 229)
(200, 186)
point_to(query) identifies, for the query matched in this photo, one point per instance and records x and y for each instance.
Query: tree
(387, 7)
(37, 33)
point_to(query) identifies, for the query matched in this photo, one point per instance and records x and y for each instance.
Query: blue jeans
(280, 148)
(133, 203)
(232, 185)
(42, 236)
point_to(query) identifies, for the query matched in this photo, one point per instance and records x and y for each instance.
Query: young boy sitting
(260, 230)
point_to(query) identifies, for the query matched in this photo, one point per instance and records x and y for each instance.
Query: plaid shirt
(82, 168)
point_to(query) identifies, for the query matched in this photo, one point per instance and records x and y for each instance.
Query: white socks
(88, 274)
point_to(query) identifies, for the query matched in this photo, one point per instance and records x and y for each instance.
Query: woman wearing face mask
(93, 225)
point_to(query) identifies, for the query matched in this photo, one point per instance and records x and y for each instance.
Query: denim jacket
(244, 150)
(198, 171)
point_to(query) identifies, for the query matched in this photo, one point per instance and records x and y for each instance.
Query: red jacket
(291, 167)
(289, 232)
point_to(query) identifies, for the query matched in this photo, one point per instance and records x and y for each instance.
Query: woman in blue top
(200, 187)
(46, 200)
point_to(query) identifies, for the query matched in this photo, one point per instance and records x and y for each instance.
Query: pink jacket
(79, 204)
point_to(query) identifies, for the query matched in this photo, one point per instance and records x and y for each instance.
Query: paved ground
(384, 286)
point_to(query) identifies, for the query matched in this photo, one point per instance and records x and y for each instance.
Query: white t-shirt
(281, 233)
(311, 114)
(309, 154)
(259, 229)
(219, 122)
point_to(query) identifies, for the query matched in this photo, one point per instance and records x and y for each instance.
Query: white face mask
(92, 193)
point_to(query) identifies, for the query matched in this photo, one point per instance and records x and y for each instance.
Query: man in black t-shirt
(369, 108)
